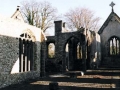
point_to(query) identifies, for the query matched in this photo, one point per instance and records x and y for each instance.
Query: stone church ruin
(73, 50)
(25, 50)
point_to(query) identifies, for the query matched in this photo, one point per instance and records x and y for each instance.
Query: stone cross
(112, 5)
(18, 8)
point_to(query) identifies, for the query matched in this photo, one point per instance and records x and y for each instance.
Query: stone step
(102, 79)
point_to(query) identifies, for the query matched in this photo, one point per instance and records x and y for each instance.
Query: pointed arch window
(79, 51)
(51, 50)
(114, 46)
(26, 53)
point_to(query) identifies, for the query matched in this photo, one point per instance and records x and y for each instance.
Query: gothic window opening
(73, 49)
(26, 53)
(114, 46)
(67, 48)
(51, 50)
(79, 51)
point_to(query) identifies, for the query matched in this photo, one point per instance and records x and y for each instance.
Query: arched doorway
(74, 54)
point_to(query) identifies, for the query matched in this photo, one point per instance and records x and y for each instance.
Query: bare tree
(39, 14)
(82, 17)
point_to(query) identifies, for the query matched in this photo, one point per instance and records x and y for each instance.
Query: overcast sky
(100, 7)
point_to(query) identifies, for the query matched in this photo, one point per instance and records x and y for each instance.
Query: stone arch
(72, 37)
(113, 46)
(113, 37)
(27, 53)
(68, 40)
(112, 51)
(51, 50)
(71, 59)
(30, 33)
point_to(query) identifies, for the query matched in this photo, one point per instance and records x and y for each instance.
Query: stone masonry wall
(112, 29)
(9, 50)
(60, 40)
(9, 53)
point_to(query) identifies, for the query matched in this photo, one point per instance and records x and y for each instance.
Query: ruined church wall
(60, 40)
(112, 29)
(10, 31)
(9, 55)
(96, 50)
